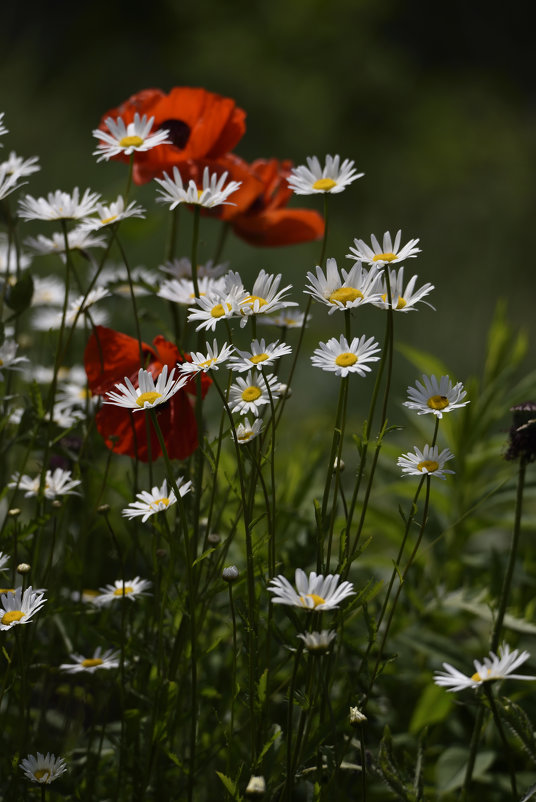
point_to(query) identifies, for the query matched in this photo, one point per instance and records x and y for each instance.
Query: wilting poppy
(267, 221)
(109, 357)
(200, 124)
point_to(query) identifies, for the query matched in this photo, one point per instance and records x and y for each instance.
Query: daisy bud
(284, 391)
(14, 512)
(338, 465)
(213, 538)
(256, 786)
(104, 509)
(522, 442)
(356, 717)
(24, 568)
(230, 574)
(57, 503)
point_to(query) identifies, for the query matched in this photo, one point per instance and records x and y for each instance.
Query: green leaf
(203, 556)
(433, 706)
(452, 764)
(261, 689)
(229, 784)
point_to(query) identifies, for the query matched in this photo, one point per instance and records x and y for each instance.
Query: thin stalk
(502, 734)
(473, 748)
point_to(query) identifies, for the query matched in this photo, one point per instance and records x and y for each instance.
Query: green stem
(502, 734)
(473, 748)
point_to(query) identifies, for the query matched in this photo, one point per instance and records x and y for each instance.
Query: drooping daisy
(342, 358)
(315, 592)
(127, 139)
(182, 291)
(427, 461)
(114, 213)
(130, 589)
(246, 431)
(8, 358)
(436, 397)
(89, 665)
(57, 483)
(43, 769)
(78, 239)
(402, 300)
(259, 355)
(250, 394)
(148, 394)
(214, 191)
(213, 358)
(356, 286)
(265, 297)
(18, 167)
(494, 667)
(155, 501)
(20, 606)
(386, 253)
(313, 179)
(59, 205)
(318, 642)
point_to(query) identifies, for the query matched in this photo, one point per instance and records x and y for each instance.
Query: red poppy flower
(267, 222)
(109, 357)
(201, 125)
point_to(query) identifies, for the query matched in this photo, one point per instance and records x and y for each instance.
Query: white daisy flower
(48, 291)
(115, 277)
(57, 483)
(202, 363)
(214, 192)
(182, 268)
(130, 589)
(402, 300)
(43, 769)
(286, 319)
(250, 394)
(147, 395)
(59, 205)
(78, 239)
(8, 183)
(182, 291)
(342, 358)
(18, 167)
(313, 179)
(19, 607)
(74, 395)
(83, 302)
(3, 129)
(436, 396)
(318, 641)
(428, 461)
(128, 139)
(216, 306)
(114, 213)
(8, 358)
(89, 665)
(385, 253)
(494, 667)
(259, 354)
(246, 431)
(355, 288)
(264, 297)
(4, 559)
(8, 257)
(155, 501)
(50, 319)
(314, 593)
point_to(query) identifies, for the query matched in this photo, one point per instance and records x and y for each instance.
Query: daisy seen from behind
(315, 592)
(148, 394)
(79, 239)
(182, 290)
(494, 667)
(251, 394)
(428, 461)
(89, 665)
(113, 213)
(130, 589)
(19, 606)
(403, 299)
(313, 179)
(344, 290)
(259, 355)
(43, 769)
(389, 251)
(213, 192)
(59, 205)
(436, 396)
(158, 499)
(128, 139)
(343, 358)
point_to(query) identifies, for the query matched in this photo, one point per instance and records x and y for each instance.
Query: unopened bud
(230, 574)
(14, 512)
(24, 568)
(356, 716)
(256, 786)
(213, 538)
(104, 509)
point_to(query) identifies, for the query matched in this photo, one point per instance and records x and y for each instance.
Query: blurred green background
(436, 104)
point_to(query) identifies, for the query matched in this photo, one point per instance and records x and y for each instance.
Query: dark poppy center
(178, 130)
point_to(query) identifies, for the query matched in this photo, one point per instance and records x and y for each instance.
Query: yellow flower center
(346, 359)
(314, 598)
(477, 677)
(1, 362)
(84, 393)
(251, 394)
(384, 257)
(256, 358)
(250, 300)
(147, 397)
(437, 402)
(246, 436)
(108, 220)
(126, 589)
(324, 184)
(7, 590)
(345, 295)
(131, 142)
(429, 465)
(164, 501)
(42, 773)
(12, 616)
(199, 193)
(91, 662)
(207, 363)
(400, 304)
(219, 311)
